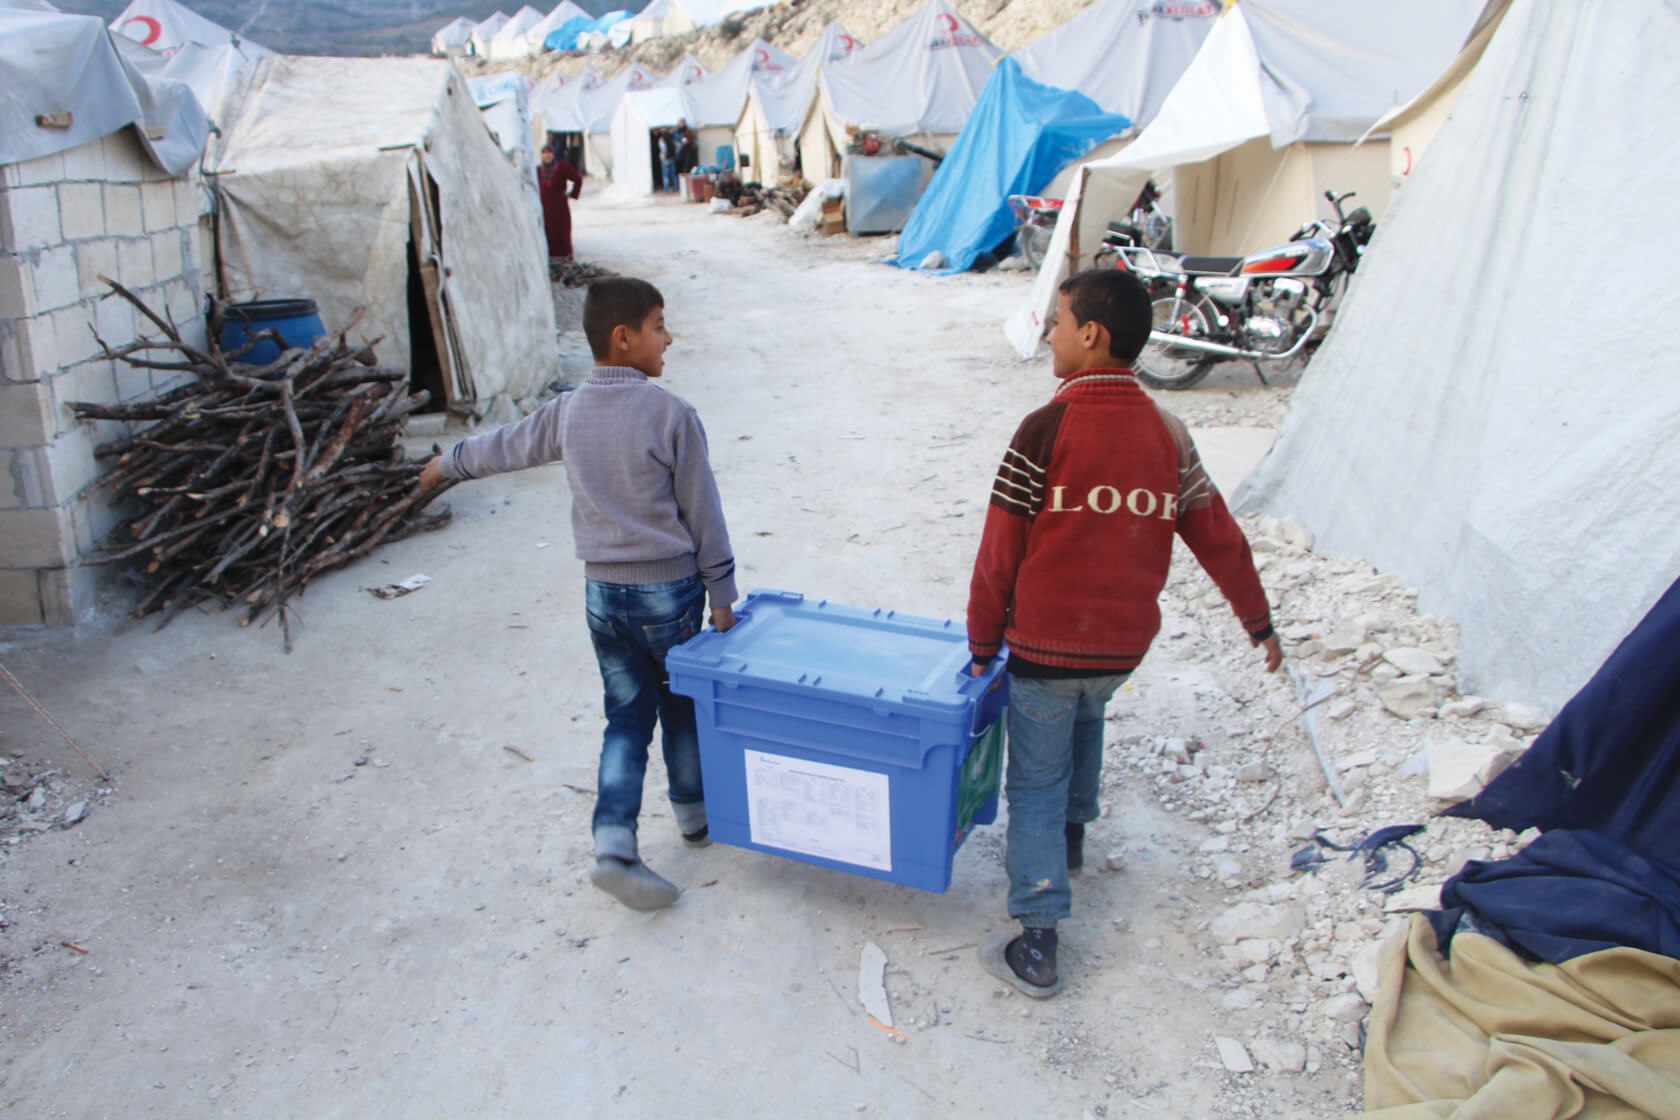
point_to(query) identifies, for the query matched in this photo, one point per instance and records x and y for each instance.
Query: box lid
(876, 655)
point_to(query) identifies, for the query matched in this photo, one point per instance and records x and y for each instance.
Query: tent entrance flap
(433, 348)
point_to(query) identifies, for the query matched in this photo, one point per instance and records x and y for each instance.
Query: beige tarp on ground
(1490, 1036)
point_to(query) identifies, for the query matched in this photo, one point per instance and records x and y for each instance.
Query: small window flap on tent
(1019, 136)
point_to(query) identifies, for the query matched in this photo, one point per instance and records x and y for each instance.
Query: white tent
(1124, 57)
(659, 18)
(512, 39)
(637, 115)
(719, 98)
(503, 99)
(563, 13)
(920, 79)
(1261, 123)
(189, 48)
(452, 37)
(595, 108)
(685, 73)
(478, 43)
(767, 133)
(54, 62)
(373, 183)
(1496, 434)
(554, 102)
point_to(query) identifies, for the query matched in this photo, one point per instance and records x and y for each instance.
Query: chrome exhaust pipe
(1220, 349)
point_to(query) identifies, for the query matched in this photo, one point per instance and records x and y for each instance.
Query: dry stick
(46, 715)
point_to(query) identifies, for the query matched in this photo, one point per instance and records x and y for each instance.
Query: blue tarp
(1020, 134)
(566, 36)
(1610, 761)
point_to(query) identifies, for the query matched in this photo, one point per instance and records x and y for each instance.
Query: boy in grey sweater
(648, 525)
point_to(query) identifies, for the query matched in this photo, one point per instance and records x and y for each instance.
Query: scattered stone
(1115, 860)
(1346, 638)
(1257, 771)
(1256, 950)
(1416, 766)
(1462, 708)
(1407, 697)
(1460, 770)
(1231, 1053)
(872, 991)
(1425, 897)
(1348, 1007)
(1215, 844)
(1276, 1054)
(1522, 717)
(1178, 750)
(1253, 919)
(1414, 661)
(74, 812)
(1294, 534)
(36, 799)
(1365, 974)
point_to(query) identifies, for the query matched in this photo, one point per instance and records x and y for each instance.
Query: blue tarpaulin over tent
(566, 36)
(1020, 134)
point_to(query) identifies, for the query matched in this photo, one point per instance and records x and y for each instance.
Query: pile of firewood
(783, 200)
(251, 480)
(575, 273)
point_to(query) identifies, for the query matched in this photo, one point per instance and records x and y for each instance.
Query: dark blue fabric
(1567, 894)
(1020, 134)
(1610, 761)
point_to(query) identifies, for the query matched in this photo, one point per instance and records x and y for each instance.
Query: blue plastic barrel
(295, 320)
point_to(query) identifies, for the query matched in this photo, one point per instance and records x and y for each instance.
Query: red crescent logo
(154, 33)
(761, 56)
(694, 75)
(950, 22)
(1408, 168)
(847, 43)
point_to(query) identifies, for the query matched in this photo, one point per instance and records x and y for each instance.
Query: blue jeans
(1052, 777)
(632, 629)
(669, 168)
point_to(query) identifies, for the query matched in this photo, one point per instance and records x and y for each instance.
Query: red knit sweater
(1079, 533)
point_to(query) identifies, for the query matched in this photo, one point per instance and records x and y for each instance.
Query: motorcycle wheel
(1034, 242)
(1163, 366)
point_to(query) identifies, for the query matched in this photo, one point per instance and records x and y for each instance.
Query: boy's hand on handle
(975, 668)
(1274, 652)
(723, 618)
(431, 475)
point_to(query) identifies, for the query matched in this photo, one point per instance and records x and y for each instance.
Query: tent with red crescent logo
(595, 108)
(512, 39)
(660, 17)
(478, 43)
(767, 133)
(711, 106)
(452, 37)
(685, 73)
(918, 81)
(188, 48)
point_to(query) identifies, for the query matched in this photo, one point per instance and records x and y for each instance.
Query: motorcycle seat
(1210, 266)
(1122, 228)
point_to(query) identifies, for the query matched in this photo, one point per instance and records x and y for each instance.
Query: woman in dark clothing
(552, 178)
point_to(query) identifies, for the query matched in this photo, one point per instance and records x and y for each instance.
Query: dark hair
(1118, 302)
(616, 301)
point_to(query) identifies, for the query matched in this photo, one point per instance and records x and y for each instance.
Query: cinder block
(38, 342)
(134, 263)
(73, 332)
(25, 417)
(56, 284)
(17, 288)
(186, 307)
(81, 210)
(125, 160)
(40, 170)
(85, 164)
(166, 254)
(93, 260)
(117, 321)
(67, 594)
(35, 538)
(157, 203)
(29, 219)
(191, 201)
(24, 484)
(133, 382)
(70, 466)
(122, 210)
(20, 599)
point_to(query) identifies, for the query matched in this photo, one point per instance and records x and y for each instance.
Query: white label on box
(816, 809)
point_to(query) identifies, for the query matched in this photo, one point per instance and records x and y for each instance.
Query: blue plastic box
(845, 737)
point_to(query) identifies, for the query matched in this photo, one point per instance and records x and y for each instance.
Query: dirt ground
(352, 881)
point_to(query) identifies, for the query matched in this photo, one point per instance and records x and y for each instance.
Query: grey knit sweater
(645, 507)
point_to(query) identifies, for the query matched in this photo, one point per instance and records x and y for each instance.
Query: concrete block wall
(101, 209)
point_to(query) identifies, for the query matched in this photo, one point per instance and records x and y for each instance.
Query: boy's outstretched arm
(530, 442)
(1017, 495)
(701, 509)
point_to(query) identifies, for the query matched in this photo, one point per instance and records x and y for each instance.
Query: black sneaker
(1026, 962)
(1075, 845)
(699, 838)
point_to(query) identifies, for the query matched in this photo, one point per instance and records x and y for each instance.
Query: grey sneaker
(633, 883)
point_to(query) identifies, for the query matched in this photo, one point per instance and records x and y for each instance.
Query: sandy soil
(351, 881)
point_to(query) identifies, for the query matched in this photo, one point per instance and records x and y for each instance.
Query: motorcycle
(1267, 307)
(1035, 221)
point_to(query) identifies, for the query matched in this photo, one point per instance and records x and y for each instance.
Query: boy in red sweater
(1075, 551)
